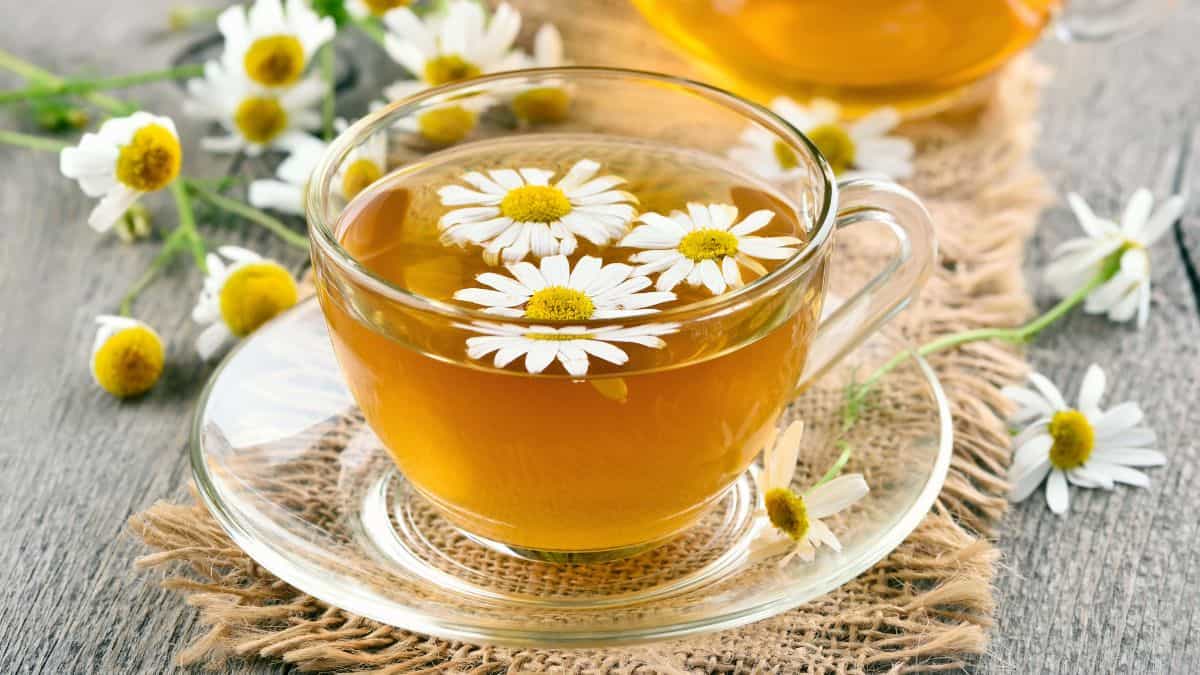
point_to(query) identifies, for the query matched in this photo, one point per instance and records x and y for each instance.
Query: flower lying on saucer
(238, 298)
(705, 246)
(514, 213)
(555, 292)
(569, 345)
(1123, 249)
(126, 158)
(863, 146)
(1085, 446)
(798, 529)
(256, 118)
(127, 356)
(271, 45)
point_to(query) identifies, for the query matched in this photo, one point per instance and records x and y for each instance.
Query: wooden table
(1113, 588)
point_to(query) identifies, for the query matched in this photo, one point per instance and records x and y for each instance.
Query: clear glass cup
(652, 444)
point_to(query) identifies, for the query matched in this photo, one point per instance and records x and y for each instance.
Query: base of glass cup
(567, 557)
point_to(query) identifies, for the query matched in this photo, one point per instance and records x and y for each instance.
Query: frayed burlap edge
(926, 607)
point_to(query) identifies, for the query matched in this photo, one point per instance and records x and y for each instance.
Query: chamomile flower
(286, 191)
(242, 291)
(569, 345)
(127, 356)
(458, 45)
(863, 146)
(255, 117)
(1084, 446)
(553, 291)
(512, 213)
(1117, 250)
(796, 519)
(549, 102)
(126, 158)
(705, 246)
(271, 45)
(362, 9)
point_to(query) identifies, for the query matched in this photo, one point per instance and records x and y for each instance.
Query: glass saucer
(285, 463)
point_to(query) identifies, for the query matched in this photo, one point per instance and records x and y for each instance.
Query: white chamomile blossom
(555, 292)
(1117, 250)
(271, 45)
(512, 213)
(705, 246)
(569, 345)
(239, 296)
(127, 356)
(285, 192)
(796, 519)
(126, 158)
(363, 9)
(1085, 446)
(550, 101)
(863, 145)
(255, 117)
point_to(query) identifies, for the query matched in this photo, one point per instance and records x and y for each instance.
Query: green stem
(371, 28)
(838, 464)
(184, 235)
(250, 213)
(328, 108)
(33, 142)
(27, 70)
(187, 222)
(84, 86)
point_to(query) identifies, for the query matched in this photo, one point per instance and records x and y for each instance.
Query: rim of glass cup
(320, 188)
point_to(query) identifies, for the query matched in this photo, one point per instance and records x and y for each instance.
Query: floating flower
(555, 292)
(546, 103)
(569, 345)
(797, 518)
(362, 9)
(1118, 251)
(1085, 446)
(127, 356)
(126, 158)
(256, 117)
(269, 45)
(458, 45)
(287, 190)
(863, 145)
(238, 298)
(704, 246)
(514, 213)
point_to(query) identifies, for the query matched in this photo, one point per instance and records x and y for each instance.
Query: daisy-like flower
(362, 9)
(127, 356)
(863, 146)
(555, 292)
(1120, 252)
(256, 118)
(239, 296)
(797, 518)
(364, 165)
(705, 246)
(126, 158)
(514, 213)
(271, 45)
(547, 103)
(569, 345)
(1085, 446)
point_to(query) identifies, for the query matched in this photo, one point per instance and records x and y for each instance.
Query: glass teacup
(522, 429)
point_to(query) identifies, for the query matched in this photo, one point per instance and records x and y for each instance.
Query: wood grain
(1112, 588)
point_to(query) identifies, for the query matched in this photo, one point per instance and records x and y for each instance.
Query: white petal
(779, 463)
(677, 273)
(278, 195)
(1137, 213)
(1130, 438)
(1084, 476)
(579, 173)
(529, 276)
(1053, 396)
(711, 276)
(834, 496)
(603, 350)
(1117, 419)
(540, 355)
(733, 275)
(1120, 474)
(1032, 452)
(1164, 216)
(111, 207)
(480, 296)
(1034, 403)
(1024, 484)
(820, 532)
(211, 339)
(1129, 456)
(556, 270)
(753, 223)
(1092, 390)
(585, 272)
(1057, 496)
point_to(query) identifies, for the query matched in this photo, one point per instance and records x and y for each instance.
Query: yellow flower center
(129, 362)
(275, 60)
(835, 145)
(1073, 437)
(358, 176)
(708, 245)
(535, 204)
(544, 104)
(449, 68)
(150, 160)
(254, 294)
(787, 512)
(446, 126)
(785, 156)
(559, 303)
(260, 119)
(381, 7)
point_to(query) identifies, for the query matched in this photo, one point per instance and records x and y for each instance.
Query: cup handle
(876, 201)
(1079, 21)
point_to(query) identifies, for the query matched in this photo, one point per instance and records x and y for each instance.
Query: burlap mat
(927, 606)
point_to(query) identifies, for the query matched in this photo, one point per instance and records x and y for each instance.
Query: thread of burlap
(927, 606)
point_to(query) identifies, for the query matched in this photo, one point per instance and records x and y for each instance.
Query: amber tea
(560, 436)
